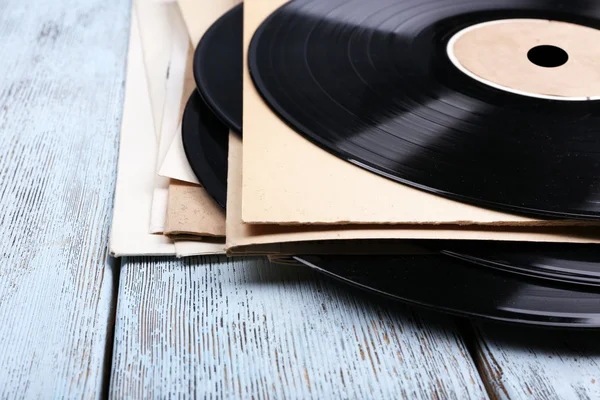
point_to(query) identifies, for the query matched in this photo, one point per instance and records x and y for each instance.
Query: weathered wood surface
(244, 328)
(209, 326)
(62, 67)
(533, 363)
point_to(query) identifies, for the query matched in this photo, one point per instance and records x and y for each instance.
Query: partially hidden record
(218, 67)
(372, 82)
(442, 283)
(569, 263)
(216, 106)
(206, 143)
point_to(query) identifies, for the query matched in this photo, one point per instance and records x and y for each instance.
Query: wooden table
(75, 323)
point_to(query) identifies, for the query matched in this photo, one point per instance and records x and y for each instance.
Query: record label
(531, 57)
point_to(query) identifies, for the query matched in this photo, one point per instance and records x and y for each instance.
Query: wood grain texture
(530, 363)
(61, 90)
(244, 328)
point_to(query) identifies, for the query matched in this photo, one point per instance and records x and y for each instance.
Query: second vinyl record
(218, 67)
(571, 263)
(205, 141)
(446, 284)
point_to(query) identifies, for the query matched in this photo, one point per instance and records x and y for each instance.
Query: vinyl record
(206, 142)
(457, 287)
(218, 67)
(372, 82)
(577, 264)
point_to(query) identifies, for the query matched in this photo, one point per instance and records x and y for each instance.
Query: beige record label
(531, 57)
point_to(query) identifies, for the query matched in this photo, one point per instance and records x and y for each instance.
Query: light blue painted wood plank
(62, 67)
(530, 363)
(243, 328)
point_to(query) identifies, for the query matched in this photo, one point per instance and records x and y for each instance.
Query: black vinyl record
(206, 143)
(371, 82)
(446, 284)
(218, 67)
(577, 264)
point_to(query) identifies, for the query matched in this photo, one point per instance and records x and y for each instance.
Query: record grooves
(371, 82)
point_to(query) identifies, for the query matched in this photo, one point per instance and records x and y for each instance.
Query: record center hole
(547, 56)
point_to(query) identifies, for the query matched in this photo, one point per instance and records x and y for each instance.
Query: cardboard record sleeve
(273, 239)
(191, 211)
(136, 168)
(199, 15)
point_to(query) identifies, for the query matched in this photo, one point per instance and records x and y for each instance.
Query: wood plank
(61, 90)
(535, 363)
(245, 328)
